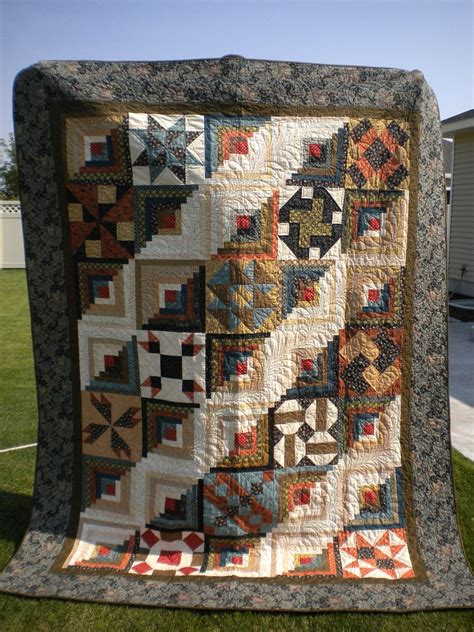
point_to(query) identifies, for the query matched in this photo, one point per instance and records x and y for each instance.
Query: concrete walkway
(461, 386)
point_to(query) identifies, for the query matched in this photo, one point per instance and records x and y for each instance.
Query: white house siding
(461, 247)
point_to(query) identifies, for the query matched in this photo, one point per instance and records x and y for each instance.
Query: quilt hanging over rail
(238, 304)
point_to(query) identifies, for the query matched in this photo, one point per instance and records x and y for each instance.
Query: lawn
(18, 426)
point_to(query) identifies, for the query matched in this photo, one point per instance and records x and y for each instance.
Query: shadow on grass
(15, 510)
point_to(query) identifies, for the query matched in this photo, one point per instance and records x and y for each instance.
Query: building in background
(460, 129)
(448, 165)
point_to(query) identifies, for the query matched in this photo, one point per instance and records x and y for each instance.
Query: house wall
(461, 246)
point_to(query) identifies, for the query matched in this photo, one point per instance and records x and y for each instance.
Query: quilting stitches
(303, 497)
(372, 424)
(310, 223)
(172, 366)
(158, 211)
(377, 154)
(112, 365)
(311, 293)
(314, 370)
(374, 499)
(317, 557)
(170, 295)
(323, 160)
(242, 296)
(370, 361)
(239, 504)
(101, 289)
(238, 147)
(171, 502)
(101, 221)
(240, 285)
(163, 147)
(110, 556)
(111, 425)
(311, 151)
(244, 222)
(374, 295)
(106, 484)
(239, 437)
(169, 428)
(97, 151)
(240, 557)
(235, 363)
(169, 554)
(381, 554)
(306, 435)
(374, 224)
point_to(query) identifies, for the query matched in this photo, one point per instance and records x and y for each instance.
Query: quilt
(239, 387)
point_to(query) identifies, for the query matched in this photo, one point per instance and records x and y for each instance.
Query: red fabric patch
(370, 497)
(242, 439)
(110, 489)
(170, 433)
(373, 296)
(243, 222)
(301, 496)
(141, 568)
(149, 538)
(170, 504)
(171, 296)
(239, 145)
(374, 223)
(315, 150)
(238, 560)
(308, 294)
(193, 541)
(369, 429)
(104, 550)
(241, 368)
(104, 292)
(109, 360)
(187, 570)
(96, 148)
(306, 560)
(167, 220)
(172, 558)
(307, 364)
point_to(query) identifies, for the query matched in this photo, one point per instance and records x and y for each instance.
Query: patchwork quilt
(238, 372)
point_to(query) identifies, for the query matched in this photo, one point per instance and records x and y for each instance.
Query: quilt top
(243, 290)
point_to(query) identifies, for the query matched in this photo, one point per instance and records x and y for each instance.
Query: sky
(434, 36)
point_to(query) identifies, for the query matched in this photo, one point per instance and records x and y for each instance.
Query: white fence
(12, 253)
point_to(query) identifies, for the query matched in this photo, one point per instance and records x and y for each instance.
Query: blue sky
(434, 36)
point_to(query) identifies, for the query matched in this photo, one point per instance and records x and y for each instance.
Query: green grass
(464, 484)
(17, 394)
(18, 426)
